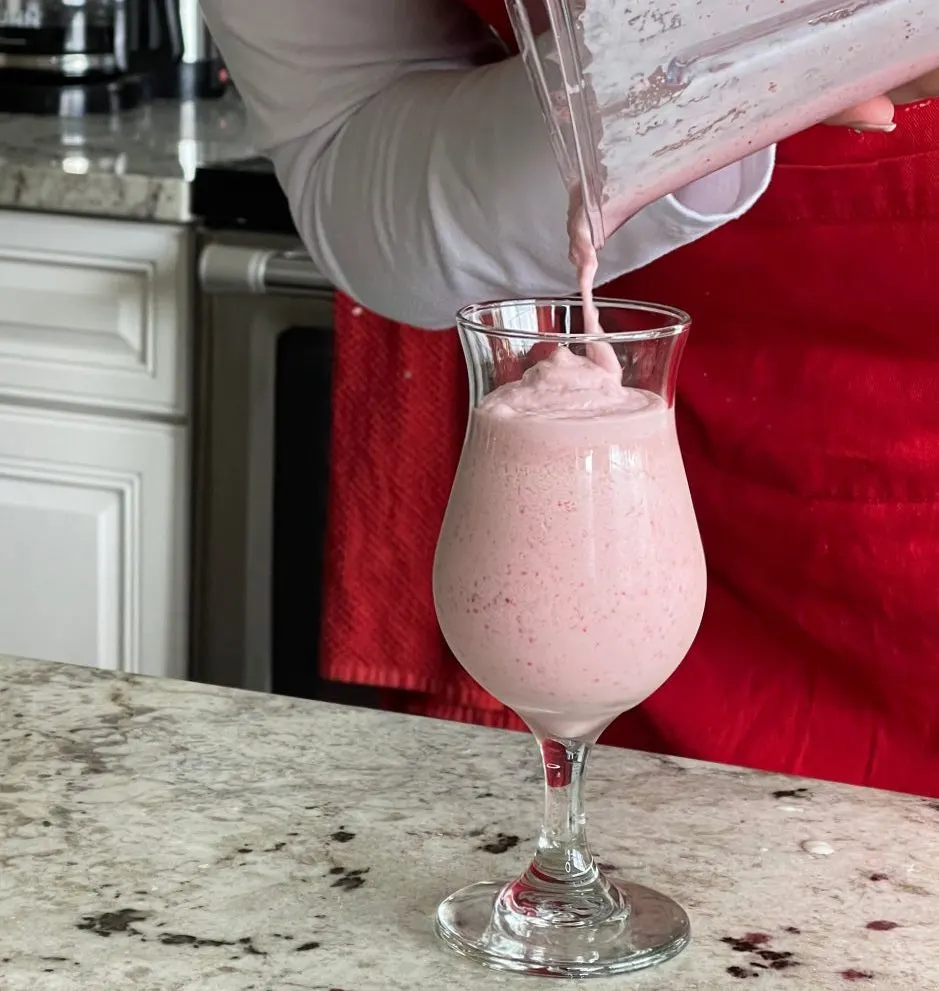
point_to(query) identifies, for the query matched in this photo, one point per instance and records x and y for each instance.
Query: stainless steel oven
(263, 361)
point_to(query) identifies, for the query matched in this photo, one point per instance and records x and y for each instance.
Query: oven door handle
(225, 268)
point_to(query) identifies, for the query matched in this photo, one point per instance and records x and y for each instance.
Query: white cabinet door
(93, 523)
(95, 313)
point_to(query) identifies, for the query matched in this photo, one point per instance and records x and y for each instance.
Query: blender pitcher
(644, 96)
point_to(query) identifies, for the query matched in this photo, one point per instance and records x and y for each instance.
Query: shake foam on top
(570, 386)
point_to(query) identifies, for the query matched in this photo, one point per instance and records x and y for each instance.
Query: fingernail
(873, 128)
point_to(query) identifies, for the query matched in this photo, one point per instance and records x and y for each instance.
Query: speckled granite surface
(160, 835)
(137, 165)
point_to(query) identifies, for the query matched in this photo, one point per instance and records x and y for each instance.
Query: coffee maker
(200, 72)
(74, 57)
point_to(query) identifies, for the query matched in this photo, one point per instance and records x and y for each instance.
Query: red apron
(809, 419)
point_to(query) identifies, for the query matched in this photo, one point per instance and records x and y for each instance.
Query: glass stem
(563, 854)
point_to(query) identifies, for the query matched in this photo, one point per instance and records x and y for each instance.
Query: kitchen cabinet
(95, 338)
(95, 313)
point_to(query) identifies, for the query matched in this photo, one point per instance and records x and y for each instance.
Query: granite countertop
(159, 835)
(136, 165)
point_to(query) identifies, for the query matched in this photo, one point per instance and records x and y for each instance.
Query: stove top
(241, 195)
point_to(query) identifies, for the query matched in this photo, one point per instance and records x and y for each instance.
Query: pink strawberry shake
(569, 579)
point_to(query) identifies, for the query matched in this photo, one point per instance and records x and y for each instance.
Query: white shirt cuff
(696, 210)
(722, 196)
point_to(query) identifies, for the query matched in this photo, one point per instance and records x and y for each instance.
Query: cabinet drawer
(95, 312)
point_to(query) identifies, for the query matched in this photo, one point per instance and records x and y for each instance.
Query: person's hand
(877, 114)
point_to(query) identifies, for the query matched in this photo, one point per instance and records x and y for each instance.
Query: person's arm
(418, 181)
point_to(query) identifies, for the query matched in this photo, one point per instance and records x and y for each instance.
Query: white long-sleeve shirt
(419, 180)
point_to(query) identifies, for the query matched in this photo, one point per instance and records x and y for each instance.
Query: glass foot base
(489, 923)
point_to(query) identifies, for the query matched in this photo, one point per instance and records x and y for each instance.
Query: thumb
(876, 114)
